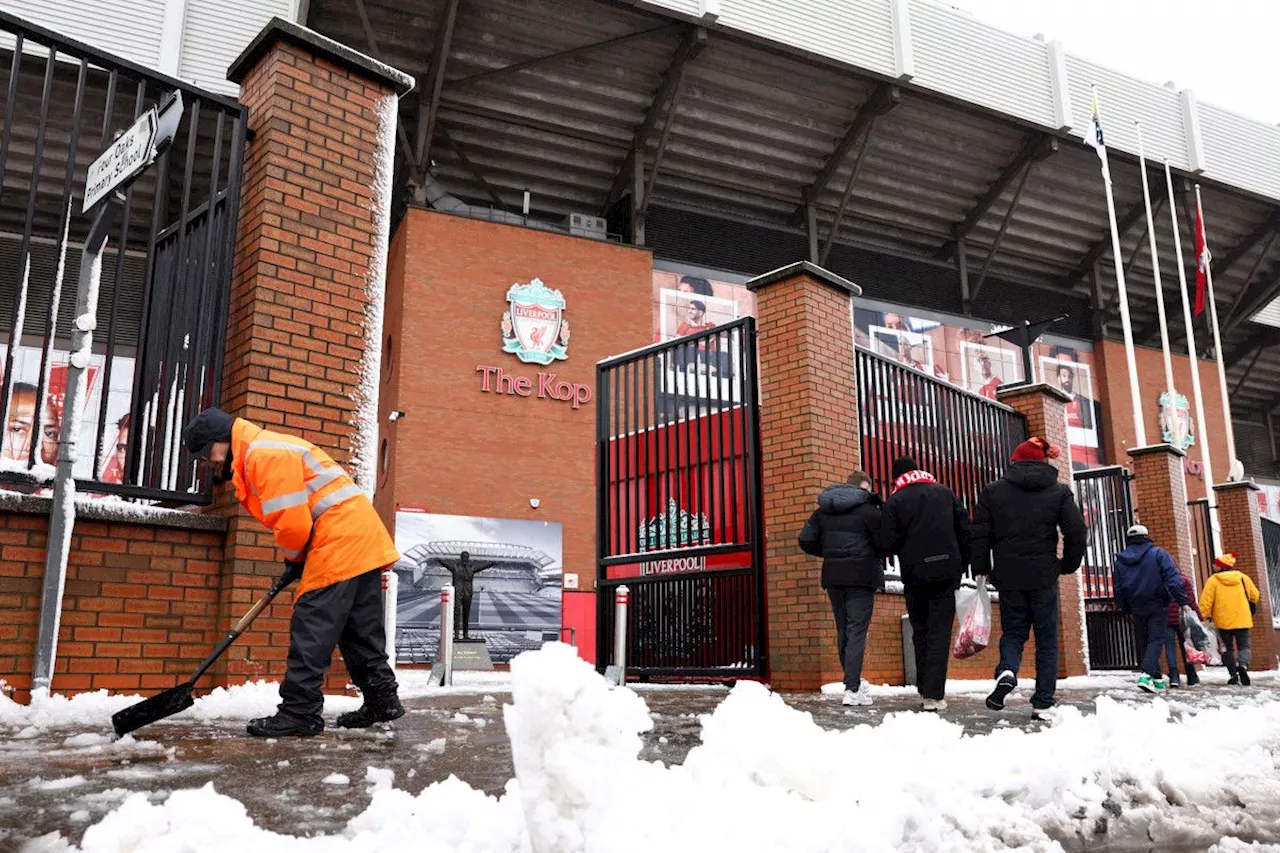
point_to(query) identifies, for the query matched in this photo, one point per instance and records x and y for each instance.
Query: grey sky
(1224, 51)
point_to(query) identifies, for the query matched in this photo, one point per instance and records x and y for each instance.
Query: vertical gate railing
(166, 274)
(1271, 551)
(1201, 540)
(679, 505)
(1105, 499)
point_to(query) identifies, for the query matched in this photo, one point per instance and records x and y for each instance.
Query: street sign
(132, 152)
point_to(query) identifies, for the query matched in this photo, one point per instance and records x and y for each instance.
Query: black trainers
(381, 710)
(1004, 686)
(282, 725)
(1244, 676)
(1235, 677)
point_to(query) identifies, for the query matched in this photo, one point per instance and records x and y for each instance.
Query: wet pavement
(65, 779)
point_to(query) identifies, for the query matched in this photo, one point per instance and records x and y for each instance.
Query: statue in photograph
(464, 572)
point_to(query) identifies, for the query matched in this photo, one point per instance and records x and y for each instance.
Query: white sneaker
(861, 696)
(937, 705)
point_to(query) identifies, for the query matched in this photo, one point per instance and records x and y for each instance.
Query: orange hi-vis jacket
(293, 487)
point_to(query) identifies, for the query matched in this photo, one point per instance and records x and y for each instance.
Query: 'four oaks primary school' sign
(132, 151)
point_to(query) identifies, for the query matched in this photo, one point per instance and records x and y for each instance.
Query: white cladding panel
(1122, 100)
(214, 33)
(127, 28)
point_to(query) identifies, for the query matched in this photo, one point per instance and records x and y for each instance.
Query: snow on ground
(766, 778)
(242, 702)
(1106, 682)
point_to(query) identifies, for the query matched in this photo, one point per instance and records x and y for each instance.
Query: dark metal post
(63, 514)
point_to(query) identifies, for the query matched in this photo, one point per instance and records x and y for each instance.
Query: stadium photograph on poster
(517, 568)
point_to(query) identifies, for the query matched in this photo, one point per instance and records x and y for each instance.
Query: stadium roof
(480, 552)
(916, 128)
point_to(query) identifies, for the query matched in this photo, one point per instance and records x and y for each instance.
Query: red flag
(1202, 262)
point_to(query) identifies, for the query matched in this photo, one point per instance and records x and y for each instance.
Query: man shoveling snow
(334, 542)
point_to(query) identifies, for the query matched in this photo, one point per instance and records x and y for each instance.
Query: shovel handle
(242, 625)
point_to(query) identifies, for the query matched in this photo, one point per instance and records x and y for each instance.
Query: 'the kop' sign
(499, 381)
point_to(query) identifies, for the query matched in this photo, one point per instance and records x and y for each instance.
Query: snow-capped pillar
(1242, 536)
(1160, 502)
(809, 435)
(305, 325)
(1045, 409)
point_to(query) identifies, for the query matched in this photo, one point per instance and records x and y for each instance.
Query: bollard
(444, 652)
(390, 589)
(617, 672)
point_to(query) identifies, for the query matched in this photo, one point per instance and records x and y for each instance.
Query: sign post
(127, 157)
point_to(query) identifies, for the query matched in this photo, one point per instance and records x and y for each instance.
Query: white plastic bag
(973, 607)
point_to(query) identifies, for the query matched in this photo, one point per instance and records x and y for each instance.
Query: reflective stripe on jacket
(294, 488)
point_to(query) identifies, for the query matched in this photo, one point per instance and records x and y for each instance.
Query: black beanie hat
(903, 465)
(208, 428)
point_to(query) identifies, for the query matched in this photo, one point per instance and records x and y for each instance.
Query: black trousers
(347, 615)
(462, 614)
(932, 609)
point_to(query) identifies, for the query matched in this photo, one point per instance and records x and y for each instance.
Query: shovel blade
(148, 711)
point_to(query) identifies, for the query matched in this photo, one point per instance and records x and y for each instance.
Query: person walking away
(1016, 524)
(927, 527)
(1175, 640)
(334, 543)
(845, 532)
(1229, 598)
(1146, 582)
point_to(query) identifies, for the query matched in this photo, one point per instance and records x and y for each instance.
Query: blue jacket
(1146, 579)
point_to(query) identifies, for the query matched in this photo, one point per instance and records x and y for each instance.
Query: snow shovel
(179, 698)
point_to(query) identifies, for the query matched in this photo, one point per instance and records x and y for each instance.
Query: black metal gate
(1106, 501)
(1201, 519)
(679, 506)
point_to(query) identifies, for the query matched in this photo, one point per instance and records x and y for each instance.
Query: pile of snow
(767, 778)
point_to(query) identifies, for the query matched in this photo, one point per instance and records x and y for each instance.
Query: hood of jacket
(842, 498)
(1230, 578)
(1135, 551)
(1031, 476)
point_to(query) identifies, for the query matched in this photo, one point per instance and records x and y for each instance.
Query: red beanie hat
(1035, 450)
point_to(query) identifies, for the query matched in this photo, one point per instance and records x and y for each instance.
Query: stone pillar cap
(1035, 387)
(278, 29)
(1238, 484)
(812, 270)
(1156, 448)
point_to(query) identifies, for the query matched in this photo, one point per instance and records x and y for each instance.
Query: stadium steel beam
(1027, 169)
(838, 220)
(885, 97)
(1258, 340)
(1099, 249)
(457, 149)
(663, 103)
(1266, 229)
(1109, 305)
(1254, 298)
(374, 52)
(429, 105)
(1248, 280)
(550, 58)
(1257, 354)
(1037, 147)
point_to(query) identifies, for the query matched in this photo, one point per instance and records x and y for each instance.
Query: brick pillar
(1045, 409)
(809, 434)
(1242, 536)
(306, 291)
(1160, 501)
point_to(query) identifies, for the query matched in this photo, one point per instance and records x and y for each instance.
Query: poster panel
(516, 604)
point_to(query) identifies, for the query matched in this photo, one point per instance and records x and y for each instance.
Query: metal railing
(165, 277)
(679, 514)
(1106, 501)
(1201, 540)
(1271, 551)
(963, 439)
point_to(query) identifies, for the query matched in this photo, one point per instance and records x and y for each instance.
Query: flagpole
(1155, 268)
(1217, 347)
(1194, 361)
(1135, 395)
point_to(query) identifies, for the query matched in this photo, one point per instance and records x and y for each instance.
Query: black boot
(285, 725)
(1235, 677)
(1244, 676)
(382, 709)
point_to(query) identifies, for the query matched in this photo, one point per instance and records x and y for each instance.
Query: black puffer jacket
(928, 528)
(1016, 524)
(844, 531)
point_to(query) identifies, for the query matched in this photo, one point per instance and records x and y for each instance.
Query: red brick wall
(1117, 408)
(1242, 535)
(306, 251)
(1160, 503)
(460, 451)
(810, 439)
(139, 611)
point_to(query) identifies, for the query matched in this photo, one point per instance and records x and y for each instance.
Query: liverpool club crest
(533, 327)
(1175, 421)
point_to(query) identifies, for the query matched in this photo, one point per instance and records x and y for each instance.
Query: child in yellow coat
(1229, 598)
